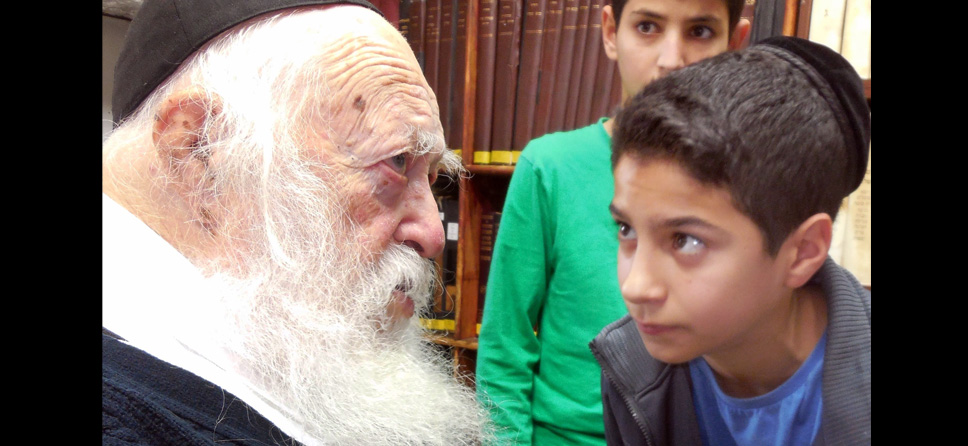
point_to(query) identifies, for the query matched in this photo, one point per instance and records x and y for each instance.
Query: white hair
(305, 309)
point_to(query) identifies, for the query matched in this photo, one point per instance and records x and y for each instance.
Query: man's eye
(687, 244)
(399, 162)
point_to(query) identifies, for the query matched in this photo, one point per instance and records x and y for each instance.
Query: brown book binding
(549, 59)
(505, 79)
(418, 13)
(527, 96)
(486, 48)
(566, 56)
(578, 64)
(459, 80)
(445, 64)
(594, 55)
(432, 42)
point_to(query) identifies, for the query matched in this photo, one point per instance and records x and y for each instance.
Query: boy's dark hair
(783, 125)
(733, 7)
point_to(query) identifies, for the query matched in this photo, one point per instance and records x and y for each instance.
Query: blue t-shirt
(787, 415)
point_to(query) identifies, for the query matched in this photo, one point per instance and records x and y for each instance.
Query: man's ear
(809, 244)
(609, 31)
(741, 34)
(179, 141)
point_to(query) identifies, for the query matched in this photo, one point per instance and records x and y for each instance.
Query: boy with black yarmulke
(741, 329)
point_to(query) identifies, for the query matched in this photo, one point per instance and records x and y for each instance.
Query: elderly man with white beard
(267, 224)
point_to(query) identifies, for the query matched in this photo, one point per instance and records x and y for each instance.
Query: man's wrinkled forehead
(377, 102)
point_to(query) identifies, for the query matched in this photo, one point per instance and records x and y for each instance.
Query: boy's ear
(609, 30)
(807, 247)
(741, 33)
(178, 137)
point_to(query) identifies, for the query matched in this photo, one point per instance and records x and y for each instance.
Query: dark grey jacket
(648, 402)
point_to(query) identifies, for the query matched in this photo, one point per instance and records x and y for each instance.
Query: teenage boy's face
(691, 267)
(655, 37)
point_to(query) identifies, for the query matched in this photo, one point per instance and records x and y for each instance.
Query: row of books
(442, 311)
(845, 27)
(540, 69)
(850, 246)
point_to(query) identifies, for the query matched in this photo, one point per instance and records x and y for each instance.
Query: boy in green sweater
(554, 263)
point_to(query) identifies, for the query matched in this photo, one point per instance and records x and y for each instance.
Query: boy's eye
(647, 27)
(687, 244)
(701, 32)
(625, 232)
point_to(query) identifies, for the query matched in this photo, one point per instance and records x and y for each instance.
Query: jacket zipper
(625, 398)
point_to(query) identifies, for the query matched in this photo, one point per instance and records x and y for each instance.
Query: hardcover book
(566, 56)
(505, 79)
(578, 64)
(594, 56)
(486, 49)
(527, 95)
(546, 73)
(456, 137)
(445, 64)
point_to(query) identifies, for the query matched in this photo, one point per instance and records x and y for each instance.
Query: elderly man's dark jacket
(146, 401)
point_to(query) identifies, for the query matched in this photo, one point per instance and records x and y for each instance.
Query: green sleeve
(508, 349)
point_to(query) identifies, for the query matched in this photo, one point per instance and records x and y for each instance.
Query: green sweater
(553, 271)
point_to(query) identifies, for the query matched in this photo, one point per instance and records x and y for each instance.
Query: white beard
(322, 348)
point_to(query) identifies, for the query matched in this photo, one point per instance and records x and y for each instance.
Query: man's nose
(421, 228)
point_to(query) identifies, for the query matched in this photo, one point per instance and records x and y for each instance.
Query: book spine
(527, 95)
(546, 73)
(575, 78)
(826, 22)
(451, 222)
(486, 41)
(445, 65)
(432, 42)
(404, 23)
(416, 35)
(566, 56)
(490, 224)
(593, 58)
(856, 42)
(857, 237)
(460, 79)
(505, 79)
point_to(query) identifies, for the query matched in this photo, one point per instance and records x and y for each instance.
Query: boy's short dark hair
(786, 133)
(734, 7)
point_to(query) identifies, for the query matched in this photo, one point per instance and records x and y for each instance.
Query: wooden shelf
(484, 169)
(468, 343)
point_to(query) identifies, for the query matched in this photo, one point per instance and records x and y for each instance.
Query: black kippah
(841, 86)
(164, 33)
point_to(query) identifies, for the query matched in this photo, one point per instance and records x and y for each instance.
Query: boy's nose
(643, 285)
(671, 56)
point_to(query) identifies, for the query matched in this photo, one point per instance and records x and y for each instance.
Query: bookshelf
(483, 189)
